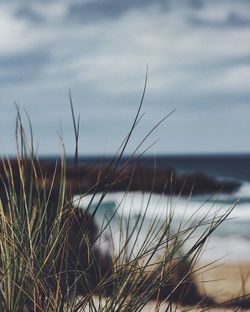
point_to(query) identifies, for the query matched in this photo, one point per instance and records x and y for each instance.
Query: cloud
(22, 68)
(40, 11)
(24, 61)
(197, 52)
(92, 11)
(232, 20)
(234, 79)
(112, 56)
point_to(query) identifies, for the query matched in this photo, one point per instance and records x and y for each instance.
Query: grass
(50, 255)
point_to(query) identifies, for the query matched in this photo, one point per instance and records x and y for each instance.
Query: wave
(232, 249)
(232, 237)
(153, 205)
(244, 191)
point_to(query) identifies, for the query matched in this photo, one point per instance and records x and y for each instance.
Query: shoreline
(222, 283)
(225, 281)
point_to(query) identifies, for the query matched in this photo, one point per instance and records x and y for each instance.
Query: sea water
(230, 242)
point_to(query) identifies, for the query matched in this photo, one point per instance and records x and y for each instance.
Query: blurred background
(197, 51)
(198, 58)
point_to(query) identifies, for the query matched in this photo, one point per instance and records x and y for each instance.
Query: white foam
(244, 191)
(156, 205)
(229, 249)
(231, 239)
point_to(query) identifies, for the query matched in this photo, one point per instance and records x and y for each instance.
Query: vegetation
(50, 250)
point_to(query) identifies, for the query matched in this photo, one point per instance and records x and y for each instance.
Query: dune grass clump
(50, 249)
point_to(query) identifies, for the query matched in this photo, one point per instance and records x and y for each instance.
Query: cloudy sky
(197, 52)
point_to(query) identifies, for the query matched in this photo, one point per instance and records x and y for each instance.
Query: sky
(198, 58)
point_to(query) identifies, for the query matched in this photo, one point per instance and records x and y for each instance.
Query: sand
(220, 281)
(226, 281)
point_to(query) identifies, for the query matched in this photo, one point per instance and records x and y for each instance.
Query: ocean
(230, 242)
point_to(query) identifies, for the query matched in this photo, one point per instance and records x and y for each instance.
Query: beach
(223, 270)
(201, 230)
(225, 281)
(221, 282)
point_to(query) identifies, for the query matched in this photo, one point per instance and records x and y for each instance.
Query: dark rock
(200, 183)
(133, 177)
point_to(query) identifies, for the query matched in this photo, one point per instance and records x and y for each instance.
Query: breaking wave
(231, 239)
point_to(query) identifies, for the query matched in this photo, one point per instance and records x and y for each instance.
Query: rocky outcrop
(140, 178)
(110, 178)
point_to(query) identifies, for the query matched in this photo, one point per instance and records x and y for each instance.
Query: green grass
(48, 255)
